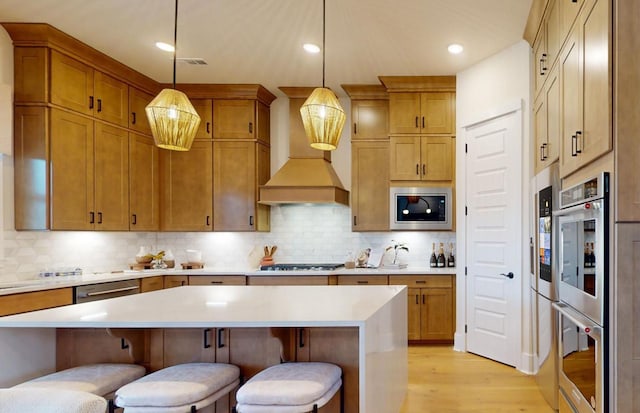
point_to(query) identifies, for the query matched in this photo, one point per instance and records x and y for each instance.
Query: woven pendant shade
(323, 119)
(173, 120)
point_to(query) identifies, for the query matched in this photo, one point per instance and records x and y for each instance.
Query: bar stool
(49, 400)
(180, 388)
(101, 379)
(295, 387)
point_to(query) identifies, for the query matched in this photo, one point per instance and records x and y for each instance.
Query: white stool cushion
(296, 385)
(176, 387)
(100, 379)
(43, 400)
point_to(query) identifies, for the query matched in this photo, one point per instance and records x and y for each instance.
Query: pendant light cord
(175, 43)
(324, 7)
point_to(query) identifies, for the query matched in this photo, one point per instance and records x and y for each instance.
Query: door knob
(509, 275)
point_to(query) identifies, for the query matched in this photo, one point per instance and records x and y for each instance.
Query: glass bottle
(451, 261)
(433, 262)
(442, 262)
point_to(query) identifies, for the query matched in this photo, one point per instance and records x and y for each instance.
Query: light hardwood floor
(445, 381)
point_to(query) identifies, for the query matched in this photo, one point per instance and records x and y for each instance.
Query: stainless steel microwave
(420, 208)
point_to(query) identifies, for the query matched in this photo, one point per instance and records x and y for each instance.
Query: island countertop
(220, 306)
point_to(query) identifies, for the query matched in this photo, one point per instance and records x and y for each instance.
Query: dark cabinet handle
(208, 220)
(574, 1)
(417, 169)
(417, 299)
(301, 337)
(355, 221)
(421, 281)
(182, 283)
(99, 217)
(355, 128)
(92, 217)
(543, 154)
(90, 102)
(123, 344)
(543, 66)
(424, 169)
(417, 121)
(134, 219)
(423, 299)
(574, 145)
(363, 282)
(423, 122)
(133, 118)
(220, 337)
(99, 105)
(509, 275)
(205, 338)
(250, 220)
(250, 127)
(579, 148)
(216, 282)
(208, 127)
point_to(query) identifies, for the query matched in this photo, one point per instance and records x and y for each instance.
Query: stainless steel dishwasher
(102, 291)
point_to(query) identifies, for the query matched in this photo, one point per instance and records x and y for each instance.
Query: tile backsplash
(303, 233)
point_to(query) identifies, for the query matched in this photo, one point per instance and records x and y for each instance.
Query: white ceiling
(260, 41)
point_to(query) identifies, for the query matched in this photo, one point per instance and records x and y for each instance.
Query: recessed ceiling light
(164, 46)
(455, 48)
(311, 48)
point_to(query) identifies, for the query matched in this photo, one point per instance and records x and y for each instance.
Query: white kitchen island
(375, 317)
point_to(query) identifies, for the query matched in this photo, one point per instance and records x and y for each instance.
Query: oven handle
(115, 290)
(584, 323)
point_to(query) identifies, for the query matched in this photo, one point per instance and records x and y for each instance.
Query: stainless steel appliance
(420, 208)
(544, 288)
(583, 265)
(582, 362)
(301, 267)
(102, 291)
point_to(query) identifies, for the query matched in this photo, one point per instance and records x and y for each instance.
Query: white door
(494, 237)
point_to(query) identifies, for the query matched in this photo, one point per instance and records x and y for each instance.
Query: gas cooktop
(300, 267)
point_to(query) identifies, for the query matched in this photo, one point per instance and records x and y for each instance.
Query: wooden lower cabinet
(151, 284)
(363, 280)
(37, 300)
(171, 281)
(430, 306)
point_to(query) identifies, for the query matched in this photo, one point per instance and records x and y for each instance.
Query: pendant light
(322, 115)
(173, 120)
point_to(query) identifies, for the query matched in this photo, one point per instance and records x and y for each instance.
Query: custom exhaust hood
(307, 177)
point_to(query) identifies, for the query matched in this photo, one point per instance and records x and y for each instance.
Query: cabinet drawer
(422, 281)
(151, 283)
(37, 300)
(217, 280)
(363, 280)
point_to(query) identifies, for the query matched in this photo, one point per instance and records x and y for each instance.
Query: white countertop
(48, 283)
(220, 306)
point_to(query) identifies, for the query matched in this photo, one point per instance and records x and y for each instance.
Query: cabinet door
(204, 107)
(144, 183)
(234, 119)
(187, 188)
(71, 84)
(171, 281)
(263, 122)
(437, 158)
(404, 158)
(370, 186)
(547, 123)
(138, 101)
(111, 159)
(72, 192)
(552, 27)
(569, 10)
(413, 317)
(436, 112)
(571, 103)
(540, 130)
(436, 314)
(111, 99)
(234, 194)
(596, 133)
(151, 284)
(404, 113)
(30, 74)
(370, 119)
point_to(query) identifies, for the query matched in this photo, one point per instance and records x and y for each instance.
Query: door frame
(525, 361)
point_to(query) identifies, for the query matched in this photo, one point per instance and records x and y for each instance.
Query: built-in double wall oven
(583, 265)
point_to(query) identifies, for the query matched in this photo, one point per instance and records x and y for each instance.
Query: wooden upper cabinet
(234, 186)
(370, 119)
(138, 101)
(421, 158)
(548, 42)
(144, 183)
(30, 74)
(79, 87)
(204, 107)
(586, 90)
(370, 186)
(547, 123)
(421, 113)
(234, 119)
(90, 172)
(187, 188)
(569, 10)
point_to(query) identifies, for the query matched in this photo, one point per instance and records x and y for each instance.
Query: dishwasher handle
(115, 290)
